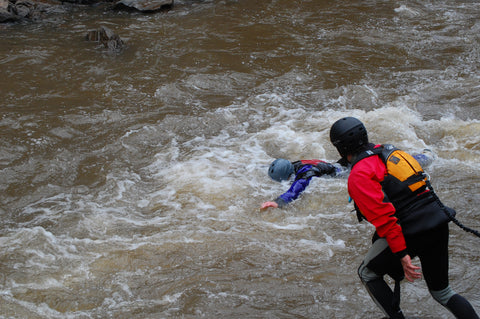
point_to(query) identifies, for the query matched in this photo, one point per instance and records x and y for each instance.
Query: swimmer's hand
(269, 204)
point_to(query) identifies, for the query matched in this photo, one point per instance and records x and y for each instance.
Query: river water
(131, 182)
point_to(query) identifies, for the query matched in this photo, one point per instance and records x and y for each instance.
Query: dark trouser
(432, 249)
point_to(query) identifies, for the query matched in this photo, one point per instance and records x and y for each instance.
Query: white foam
(407, 10)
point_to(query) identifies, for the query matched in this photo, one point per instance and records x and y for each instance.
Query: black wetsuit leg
(378, 262)
(432, 249)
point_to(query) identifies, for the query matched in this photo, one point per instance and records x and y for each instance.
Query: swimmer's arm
(298, 186)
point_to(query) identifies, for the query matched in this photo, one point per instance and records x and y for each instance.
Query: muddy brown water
(131, 183)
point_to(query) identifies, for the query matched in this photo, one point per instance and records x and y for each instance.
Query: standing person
(409, 219)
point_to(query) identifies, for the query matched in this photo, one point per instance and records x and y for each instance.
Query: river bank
(35, 10)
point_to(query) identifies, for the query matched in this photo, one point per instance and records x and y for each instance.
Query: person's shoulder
(368, 166)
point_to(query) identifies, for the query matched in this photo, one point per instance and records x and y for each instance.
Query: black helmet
(348, 135)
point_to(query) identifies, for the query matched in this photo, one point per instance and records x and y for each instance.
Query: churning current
(131, 182)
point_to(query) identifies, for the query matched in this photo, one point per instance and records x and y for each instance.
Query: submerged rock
(107, 37)
(145, 5)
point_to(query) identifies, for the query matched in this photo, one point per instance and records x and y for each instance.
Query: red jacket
(365, 189)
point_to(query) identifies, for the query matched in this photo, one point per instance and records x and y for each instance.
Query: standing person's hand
(409, 269)
(269, 204)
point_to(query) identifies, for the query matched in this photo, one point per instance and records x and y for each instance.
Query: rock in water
(6, 13)
(107, 37)
(16, 10)
(145, 5)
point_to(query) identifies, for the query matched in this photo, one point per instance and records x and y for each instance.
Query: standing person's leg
(380, 261)
(433, 253)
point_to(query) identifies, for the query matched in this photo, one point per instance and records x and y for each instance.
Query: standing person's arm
(409, 269)
(365, 189)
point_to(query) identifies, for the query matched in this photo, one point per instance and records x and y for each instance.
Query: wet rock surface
(20, 10)
(16, 10)
(144, 5)
(107, 37)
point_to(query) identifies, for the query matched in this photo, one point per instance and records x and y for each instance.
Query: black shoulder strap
(384, 151)
(367, 153)
(297, 165)
(314, 171)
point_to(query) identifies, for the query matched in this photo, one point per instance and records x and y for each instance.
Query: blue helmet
(280, 169)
